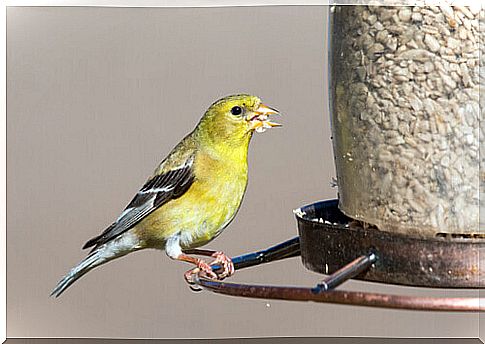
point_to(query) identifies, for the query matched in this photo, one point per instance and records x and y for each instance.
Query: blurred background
(96, 97)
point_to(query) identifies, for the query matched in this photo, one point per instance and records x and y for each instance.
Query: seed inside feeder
(405, 106)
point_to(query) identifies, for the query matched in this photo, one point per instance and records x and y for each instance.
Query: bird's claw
(190, 275)
(202, 266)
(226, 262)
(190, 279)
(220, 259)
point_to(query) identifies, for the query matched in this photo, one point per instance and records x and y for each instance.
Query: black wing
(157, 191)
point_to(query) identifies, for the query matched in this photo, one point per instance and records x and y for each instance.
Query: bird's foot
(226, 262)
(202, 266)
(190, 276)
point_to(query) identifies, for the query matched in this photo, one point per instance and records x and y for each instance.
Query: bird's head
(233, 119)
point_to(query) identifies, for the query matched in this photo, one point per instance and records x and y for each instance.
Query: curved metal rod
(341, 297)
(291, 248)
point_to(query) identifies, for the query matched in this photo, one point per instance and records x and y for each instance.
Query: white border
(164, 3)
(130, 3)
(230, 3)
(3, 187)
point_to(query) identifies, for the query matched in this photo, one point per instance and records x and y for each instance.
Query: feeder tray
(330, 243)
(330, 239)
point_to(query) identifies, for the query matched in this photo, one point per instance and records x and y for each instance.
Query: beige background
(96, 96)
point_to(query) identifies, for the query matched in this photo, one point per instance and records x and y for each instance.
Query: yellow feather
(220, 143)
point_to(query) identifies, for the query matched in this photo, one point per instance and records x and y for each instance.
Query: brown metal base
(323, 292)
(329, 240)
(341, 297)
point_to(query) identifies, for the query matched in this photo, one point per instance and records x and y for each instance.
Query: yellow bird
(193, 194)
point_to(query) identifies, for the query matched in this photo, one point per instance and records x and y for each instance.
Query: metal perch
(324, 291)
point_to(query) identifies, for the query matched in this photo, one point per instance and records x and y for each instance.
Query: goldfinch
(193, 194)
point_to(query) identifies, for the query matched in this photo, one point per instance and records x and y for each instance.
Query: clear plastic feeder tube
(406, 116)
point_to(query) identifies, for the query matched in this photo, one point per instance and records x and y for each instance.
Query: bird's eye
(236, 110)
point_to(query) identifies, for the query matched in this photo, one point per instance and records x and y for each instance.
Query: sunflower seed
(411, 79)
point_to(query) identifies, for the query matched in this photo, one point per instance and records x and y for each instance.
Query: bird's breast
(207, 207)
(216, 197)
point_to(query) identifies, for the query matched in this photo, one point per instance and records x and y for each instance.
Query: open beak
(259, 120)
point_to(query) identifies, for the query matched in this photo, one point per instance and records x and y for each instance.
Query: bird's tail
(101, 255)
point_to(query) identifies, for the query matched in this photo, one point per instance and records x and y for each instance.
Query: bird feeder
(406, 128)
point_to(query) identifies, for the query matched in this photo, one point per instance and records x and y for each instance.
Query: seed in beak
(266, 110)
